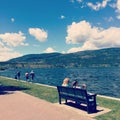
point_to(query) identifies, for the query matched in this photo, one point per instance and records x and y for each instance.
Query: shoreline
(103, 96)
(108, 97)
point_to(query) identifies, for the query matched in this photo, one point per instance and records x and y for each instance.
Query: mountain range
(91, 58)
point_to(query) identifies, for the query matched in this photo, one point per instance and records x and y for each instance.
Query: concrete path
(20, 106)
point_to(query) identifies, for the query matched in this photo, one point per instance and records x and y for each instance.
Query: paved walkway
(20, 106)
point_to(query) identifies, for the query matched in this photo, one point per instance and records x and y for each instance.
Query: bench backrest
(75, 92)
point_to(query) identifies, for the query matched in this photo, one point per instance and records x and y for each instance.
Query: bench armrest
(91, 94)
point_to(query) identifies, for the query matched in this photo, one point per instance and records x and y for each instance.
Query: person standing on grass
(32, 74)
(15, 76)
(18, 75)
(27, 76)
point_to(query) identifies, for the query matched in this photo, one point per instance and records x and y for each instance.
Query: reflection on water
(104, 81)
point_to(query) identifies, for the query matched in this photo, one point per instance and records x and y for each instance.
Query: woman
(66, 82)
(75, 84)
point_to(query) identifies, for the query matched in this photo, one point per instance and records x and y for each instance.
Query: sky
(64, 26)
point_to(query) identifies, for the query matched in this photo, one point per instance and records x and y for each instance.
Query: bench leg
(65, 100)
(91, 108)
(59, 100)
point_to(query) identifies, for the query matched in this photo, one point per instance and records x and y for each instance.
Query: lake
(103, 81)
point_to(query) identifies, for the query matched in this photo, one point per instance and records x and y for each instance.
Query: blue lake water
(103, 81)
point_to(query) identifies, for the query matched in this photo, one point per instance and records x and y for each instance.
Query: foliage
(91, 58)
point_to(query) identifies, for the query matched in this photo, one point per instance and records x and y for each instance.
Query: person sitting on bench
(66, 82)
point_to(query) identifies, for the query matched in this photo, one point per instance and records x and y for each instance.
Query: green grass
(50, 94)
(114, 105)
(40, 91)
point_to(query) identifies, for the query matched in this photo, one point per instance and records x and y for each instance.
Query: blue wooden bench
(79, 96)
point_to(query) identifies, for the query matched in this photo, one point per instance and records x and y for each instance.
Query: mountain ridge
(91, 58)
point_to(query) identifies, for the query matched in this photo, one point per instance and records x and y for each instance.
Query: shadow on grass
(9, 89)
(80, 106)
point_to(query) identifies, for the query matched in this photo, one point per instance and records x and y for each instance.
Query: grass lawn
(50, 94)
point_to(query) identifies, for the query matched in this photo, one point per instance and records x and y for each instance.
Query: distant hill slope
(91, 58)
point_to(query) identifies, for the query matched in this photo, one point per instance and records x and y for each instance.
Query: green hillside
(92, 58)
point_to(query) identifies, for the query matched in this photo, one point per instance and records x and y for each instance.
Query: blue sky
(65, 26)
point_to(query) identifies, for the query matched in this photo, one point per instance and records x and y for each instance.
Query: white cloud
(39, 34)
(24, 44)
(72, 50)
(108, 38)
(98, 5)
(90, 37)
(12, 20)
(72, 1)
(62, 17)
(3, 48)
(118, 17)
(50, 50)
(7, 42)
(118, 5)
(79, 1)
(78, 32)
(87, 46)
(13, 39)
(63, 52)
(110, 19)
(112, 5)
(117, 9)
(7, 53)
(4, 56)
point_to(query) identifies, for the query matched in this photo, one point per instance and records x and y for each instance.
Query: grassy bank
(47, 93)
(111, 104)
(50, 94)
